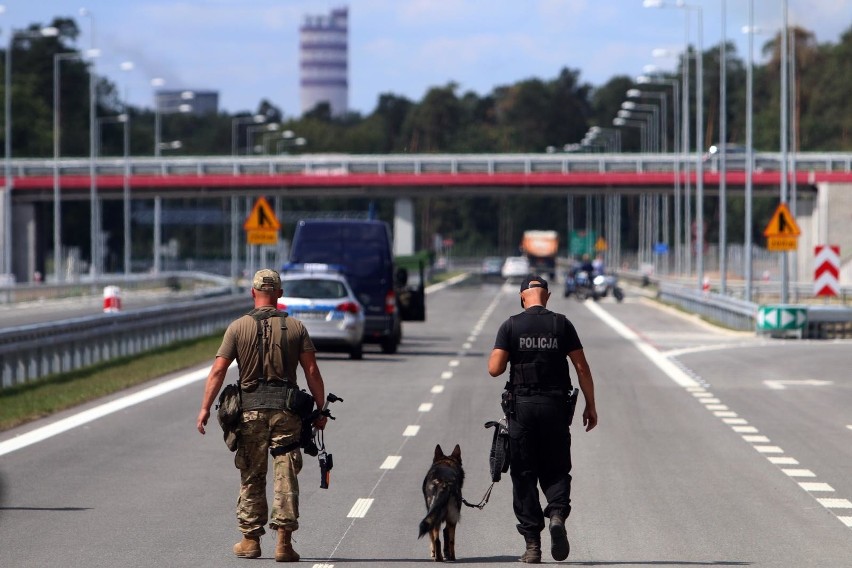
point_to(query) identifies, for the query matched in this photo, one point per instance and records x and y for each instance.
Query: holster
(507, 402)
(572, 404)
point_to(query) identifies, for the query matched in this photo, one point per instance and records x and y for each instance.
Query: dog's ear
(456, 453)
(439, 453)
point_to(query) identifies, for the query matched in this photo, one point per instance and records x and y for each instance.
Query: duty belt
(275, 395)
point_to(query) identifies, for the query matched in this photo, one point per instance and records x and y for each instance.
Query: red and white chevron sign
(827, 271)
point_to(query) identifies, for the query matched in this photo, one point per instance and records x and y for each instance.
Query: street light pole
(157, 82)
(749, 156)
(94, 206)
(723, 142)
(784, 87)
(235, 122)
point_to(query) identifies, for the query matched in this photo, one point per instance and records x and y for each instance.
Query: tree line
(527, 116)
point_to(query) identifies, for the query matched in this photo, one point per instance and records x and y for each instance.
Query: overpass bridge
(824, 181)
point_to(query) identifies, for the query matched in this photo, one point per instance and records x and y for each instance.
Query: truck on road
(540, 248)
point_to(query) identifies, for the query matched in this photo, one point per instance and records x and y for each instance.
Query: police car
(321, 298)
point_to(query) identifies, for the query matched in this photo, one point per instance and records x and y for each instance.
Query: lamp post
(723, 167)
(126, 66)
(57, 138)
(678, 211)
(271, 127)
(749, 171)
(784, 134)
(699, 133)
(156, 83)
(654, 120)
(94, 206)
(7, 264)
(235, 122)
(641, 125)
(288, 139)
(637, 94)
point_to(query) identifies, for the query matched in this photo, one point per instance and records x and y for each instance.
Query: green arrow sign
(774, 318)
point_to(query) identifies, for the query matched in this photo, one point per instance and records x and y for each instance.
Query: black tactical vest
(537, 354)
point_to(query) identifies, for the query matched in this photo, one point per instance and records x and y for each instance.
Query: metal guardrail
(823, 321)
(336, 164)
(29, 353)
(86, 286)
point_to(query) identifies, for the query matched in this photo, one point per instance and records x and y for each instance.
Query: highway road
(714, 448)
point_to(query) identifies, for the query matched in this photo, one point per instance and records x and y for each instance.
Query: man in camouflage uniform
(264, 428)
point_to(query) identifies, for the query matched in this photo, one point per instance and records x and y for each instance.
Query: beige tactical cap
(266, 280)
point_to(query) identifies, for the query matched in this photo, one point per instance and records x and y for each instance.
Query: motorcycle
(580, 284)
(607, 283)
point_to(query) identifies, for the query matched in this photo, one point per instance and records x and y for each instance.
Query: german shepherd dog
(442, 491)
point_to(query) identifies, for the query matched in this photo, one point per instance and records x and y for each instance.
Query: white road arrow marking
(782, 385)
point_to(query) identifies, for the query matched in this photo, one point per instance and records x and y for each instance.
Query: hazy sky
(248, 49)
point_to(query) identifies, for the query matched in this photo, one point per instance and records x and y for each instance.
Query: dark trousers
(540, 453)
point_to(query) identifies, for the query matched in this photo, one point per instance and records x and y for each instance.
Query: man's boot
(532, 555)
(249, 547)
(284, 549)
(559, 547)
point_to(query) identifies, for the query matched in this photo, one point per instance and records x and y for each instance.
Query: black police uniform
(538, 341)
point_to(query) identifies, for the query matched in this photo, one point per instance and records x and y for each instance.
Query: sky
(247, 50)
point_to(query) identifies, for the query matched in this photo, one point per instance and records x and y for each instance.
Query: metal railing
(31, 352)
(342, 164)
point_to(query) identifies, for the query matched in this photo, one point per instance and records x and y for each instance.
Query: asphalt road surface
(713, 449)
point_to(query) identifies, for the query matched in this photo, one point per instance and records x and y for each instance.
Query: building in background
(191, 101)
(324, 61)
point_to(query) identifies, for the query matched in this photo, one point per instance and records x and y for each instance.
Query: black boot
(559, 547)
(532, 555)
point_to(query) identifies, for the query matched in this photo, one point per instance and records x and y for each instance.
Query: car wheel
(357, 352)
(389, 345)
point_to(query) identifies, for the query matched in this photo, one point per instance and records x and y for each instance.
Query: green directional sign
(780, 318)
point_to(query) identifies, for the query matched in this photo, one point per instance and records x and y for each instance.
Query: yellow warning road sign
(261, 217)
(262, 225)
(782, 224)
(600, 244)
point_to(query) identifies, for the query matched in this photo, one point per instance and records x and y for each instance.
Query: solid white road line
(846, 521)
(91, 414)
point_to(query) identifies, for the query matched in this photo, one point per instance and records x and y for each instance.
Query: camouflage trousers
(260, 432)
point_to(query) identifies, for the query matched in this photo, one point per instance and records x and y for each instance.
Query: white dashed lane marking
(437, 389)
(454, 363)
(447, 375)
(323, 566)
(390, 462)
(411, 430)
(425, 407)
(696, 386)
(360, 508)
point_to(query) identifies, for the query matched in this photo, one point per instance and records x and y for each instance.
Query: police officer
(267, 347)
(536, 343)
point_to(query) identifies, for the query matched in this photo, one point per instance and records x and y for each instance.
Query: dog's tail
(437, 510)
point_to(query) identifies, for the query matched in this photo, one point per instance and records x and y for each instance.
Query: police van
(363, 250)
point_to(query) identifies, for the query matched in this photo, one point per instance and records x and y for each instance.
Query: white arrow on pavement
(782, 385)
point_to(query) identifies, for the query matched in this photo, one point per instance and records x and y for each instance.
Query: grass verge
(26, 402)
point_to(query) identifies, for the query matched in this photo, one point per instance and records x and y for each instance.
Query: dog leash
(484, 500)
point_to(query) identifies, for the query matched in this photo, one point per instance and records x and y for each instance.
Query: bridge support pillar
(24, 251)
(403, 227)
(825, 221)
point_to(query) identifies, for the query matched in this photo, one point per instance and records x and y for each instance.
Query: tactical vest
(538, 360)
(275, 395)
